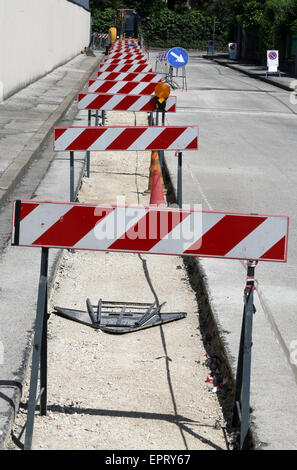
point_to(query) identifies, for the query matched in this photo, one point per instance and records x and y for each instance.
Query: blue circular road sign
(272, 55)
(177, 57)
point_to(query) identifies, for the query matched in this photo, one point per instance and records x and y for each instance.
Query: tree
(103, 4)
(103, 20)
(179, 6)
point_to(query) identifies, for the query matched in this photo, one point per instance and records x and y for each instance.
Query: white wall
(36, 36)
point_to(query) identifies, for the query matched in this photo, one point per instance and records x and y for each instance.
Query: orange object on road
(162, 90)
(157, 195)
(155, 166)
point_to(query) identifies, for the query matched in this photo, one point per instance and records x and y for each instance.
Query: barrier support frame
(39, 356)
(241, 410)
(161, 152)
(180, 179)
(88, 152)
(71, 181)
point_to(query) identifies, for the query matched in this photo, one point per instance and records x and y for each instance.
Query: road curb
(252, 75)
(16, 396)
(200, 284)
(12, 175)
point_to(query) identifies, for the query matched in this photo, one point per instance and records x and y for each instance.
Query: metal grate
(119, 317)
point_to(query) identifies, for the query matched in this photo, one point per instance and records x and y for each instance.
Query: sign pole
(214, 32)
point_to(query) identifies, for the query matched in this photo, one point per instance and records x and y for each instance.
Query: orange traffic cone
(157, 196)
(155, 165)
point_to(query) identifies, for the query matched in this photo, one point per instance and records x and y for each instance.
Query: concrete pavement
(30, 169)
(246, 163)
(284, 81)
(27, 117)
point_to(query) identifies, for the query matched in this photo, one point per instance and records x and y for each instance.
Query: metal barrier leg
(88, 153)
(236, 410)
(180, 180)
(243, 378)
(103, 117)
(151, 119)
(43, 350)
(71, 176)
(39, 345)
(161, 152)
(97, 118)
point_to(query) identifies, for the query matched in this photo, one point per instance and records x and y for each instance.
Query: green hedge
(102, 20)
(170, 28)
(166, 28)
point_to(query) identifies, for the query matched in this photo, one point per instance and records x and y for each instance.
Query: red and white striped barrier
(118, 55)
(125, 61)
(136, 68)
(126, 88)
(150, 230)
(104, 36)
(125, 138)
(130, 77)
(125, 44)
(119, 42)
(126, 41)
(125, 49)
(118, 102)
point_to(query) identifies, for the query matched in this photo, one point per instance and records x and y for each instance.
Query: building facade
(36, 36)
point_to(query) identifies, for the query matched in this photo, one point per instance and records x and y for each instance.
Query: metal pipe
(43, 351)
(88, 152)
(71, 176)
(247, 356)
(179, 180)
(161, 153)
(241, 411)
(38, 346)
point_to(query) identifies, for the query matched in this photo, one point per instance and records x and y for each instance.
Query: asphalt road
(247, 162)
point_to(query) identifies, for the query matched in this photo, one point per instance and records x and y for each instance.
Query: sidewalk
(27, 117)
(45, 102)
(257, 71)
